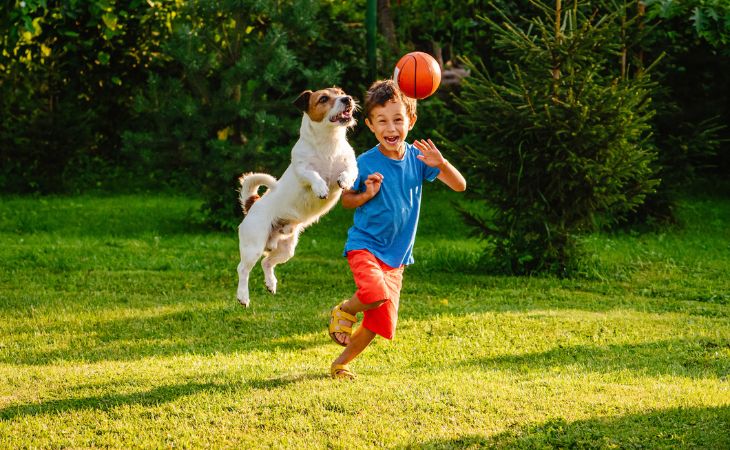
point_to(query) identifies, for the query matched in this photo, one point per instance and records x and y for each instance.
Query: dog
(322, 165)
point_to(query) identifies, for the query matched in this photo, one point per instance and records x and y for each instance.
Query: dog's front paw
(321, 190)
(345, 180)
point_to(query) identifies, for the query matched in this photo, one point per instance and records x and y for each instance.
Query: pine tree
(558, 143)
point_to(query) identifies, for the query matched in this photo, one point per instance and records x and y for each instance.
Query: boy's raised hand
(372, 184)
(430, 155)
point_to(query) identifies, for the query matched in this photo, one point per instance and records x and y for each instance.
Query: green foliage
(558, 145)
(447, 28)
(66, 73)
(188, 94)
(224, 106)
(451, 28)
(708, 19)
(694, 99)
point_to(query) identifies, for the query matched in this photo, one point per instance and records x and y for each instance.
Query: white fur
(322, 164)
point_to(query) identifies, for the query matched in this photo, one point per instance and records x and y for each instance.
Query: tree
(693, 102)
(66, 72)
(559, 143)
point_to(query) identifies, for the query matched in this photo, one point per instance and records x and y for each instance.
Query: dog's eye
(324, 99)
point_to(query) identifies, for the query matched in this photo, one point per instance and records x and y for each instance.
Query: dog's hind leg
(242, 293)
(251, 246)
(283, 253)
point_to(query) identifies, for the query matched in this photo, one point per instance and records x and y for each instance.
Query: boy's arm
(451, 176)
(355, 199)
(432, 157)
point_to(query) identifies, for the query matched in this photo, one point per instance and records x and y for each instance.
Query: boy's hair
(383, 91)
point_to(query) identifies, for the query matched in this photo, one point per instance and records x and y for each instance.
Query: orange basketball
(417, 74)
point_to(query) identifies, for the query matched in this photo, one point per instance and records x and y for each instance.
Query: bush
(558, 144)
(67, 70)
(692, 101)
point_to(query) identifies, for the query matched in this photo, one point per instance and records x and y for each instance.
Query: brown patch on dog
(282, 226)
(249, 203)
(321, 102)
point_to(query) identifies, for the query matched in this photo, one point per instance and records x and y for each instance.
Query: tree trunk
(387, 27)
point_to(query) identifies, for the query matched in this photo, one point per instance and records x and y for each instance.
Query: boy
(387, 195)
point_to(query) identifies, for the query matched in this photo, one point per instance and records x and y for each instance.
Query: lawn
(120, 329)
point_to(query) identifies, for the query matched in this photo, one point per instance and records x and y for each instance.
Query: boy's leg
(354, 306)
(361, 338)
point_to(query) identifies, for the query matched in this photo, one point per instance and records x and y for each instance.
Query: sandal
(342, 372)
(336, 315)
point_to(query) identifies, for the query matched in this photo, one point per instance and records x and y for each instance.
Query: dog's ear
(302, 102)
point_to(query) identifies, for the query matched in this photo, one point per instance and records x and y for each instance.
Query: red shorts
(377, 281)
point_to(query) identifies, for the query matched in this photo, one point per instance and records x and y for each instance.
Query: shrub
(67, 70)
(693, 100)
(558, 144)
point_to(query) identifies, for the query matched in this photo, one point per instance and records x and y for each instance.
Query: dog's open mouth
(344, 117)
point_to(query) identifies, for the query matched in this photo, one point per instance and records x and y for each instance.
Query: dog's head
(329, 105)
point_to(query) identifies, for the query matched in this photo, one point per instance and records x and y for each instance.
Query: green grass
(119, 328)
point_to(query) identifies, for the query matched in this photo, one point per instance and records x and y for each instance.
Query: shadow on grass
(156, 396)
(226, 330)
(270, 328)
(467, 294)
(297, 320)
(702, 428)
(692, 358)
(290, 320)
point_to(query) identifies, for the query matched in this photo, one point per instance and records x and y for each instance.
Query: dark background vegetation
(136, 96)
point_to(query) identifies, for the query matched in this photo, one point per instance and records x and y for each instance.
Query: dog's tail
(250, 183)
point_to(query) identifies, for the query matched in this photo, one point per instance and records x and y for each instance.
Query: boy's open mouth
(392, 140)
(343, 117)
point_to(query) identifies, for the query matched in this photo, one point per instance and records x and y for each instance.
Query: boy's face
(391, 125)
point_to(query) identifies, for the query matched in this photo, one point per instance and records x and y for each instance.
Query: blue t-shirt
(386, 224)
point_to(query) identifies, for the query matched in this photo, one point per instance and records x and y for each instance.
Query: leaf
(37, 30)
(699, 20)
(110, 20)
(103, 58)
(224, 133)
(713, 14)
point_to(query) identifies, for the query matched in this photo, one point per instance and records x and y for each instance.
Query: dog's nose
(346, 100)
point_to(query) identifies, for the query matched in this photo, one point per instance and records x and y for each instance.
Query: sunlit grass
(120, 329)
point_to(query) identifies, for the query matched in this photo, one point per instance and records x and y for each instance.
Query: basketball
(417, 74)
